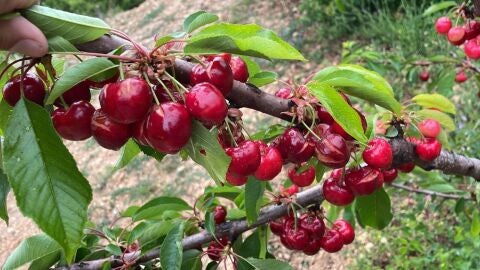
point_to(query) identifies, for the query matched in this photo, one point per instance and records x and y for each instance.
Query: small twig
(430, 192)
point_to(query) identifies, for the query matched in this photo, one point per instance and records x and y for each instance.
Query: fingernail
(29, 47)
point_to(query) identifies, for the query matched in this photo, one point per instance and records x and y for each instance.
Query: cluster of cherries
(467, 35)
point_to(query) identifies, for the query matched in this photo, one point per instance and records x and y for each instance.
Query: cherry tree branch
(431, 193)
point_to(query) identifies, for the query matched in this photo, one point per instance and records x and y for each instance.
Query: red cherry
(33, 89)
(126, 101)
(302, 179)
(332, 241)
(364, 181)
(276, 227)
(74, 124)
(472, 29)
(109, 134)
(285, 241)
(215, 249)
(332, 151)
(336, 193)
(245, 158)
(207, 104)
(313, 225)
(220, 74)
(138, 130)
(424, 76)
(236, 179)
(226, 56)
(162, 94)
(101, 84)
(472, 48)
(390, 175)
(294, 147)
(313, 247)
(270, 164)
(443, 25)
(429, 149)
(460, 77)
(406, 167)
(324, 116)
(345, 229)
(198, 74)
(79, 92)
(456, 35)
(290, 191)
(429, 128)
(168, 127)
(239, 69)
(378, 154)
(219, 214)
(284, 93)
(297, 239)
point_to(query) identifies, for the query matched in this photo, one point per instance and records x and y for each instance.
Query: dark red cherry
(226, 56)
(406, 167)
(304, 178)
(390, 175)
(313, 225)
(162, 94)
(324, 116)
(74, 124)
(198, 74)
(332, 241)
(472, 29)
(168, 127)
(364, 181)
(429, 149)
(313, 247)
(126, 101)
(297, 239)
(33, 89)
(424, 76)
(332, 151)
(270, 164)
(245, 158)
(220, 74)
(219, 214)
(284, 93)
(138, 135)
(215, 249)
(378, 154)
(294, 147)
(276, 227)
(207, 104)
(109, 134)
(79, 92)
(337, 193)
(239, 69)
(236, 179)
(345, 229)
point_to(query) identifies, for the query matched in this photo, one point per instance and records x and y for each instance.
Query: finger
(11, 5)
(19, 35)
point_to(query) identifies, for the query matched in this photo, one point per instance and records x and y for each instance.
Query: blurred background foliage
(96, 8)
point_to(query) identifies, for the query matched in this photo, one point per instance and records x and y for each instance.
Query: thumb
(19, 35)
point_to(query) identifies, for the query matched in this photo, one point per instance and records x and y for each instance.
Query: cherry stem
(230, 132)
(122, 73)
(151, 89)
(244, 129)
(13, 63)
(311, 131)
(166, 89)
(176, 82)
(137, 46)
(119, 57)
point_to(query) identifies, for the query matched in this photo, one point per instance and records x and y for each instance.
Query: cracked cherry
(390, 175)
(239, 69)
(428, 149)
(302, 178)
(313, 225)
(332, 151)
(79, 92)
(294, 147)
(364, 181)
(429, 128)
(33, 89)
(378, 154)
(460, 77)
(332, 241)
(74, 123)
(245, 158)
(126, 101)
(207, 104)
(219, 214)
(443, 25)
(168, 127)
(270, 162)
(346, 231)
(336, 193)
(109, 134)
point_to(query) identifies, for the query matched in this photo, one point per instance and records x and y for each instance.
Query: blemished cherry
(424, 76)
(313, 225)
(138, 135)
(346, 230)
(126, 101)
(74, 123)
(313, 247)
(79, 92)
(168, 127)
(284, 93)
(270, 164)
(109, 134)
(460, 77)
(443, 25)
(239, 69)
(456, 35)
(302, 179)
(276, 227)
(294, 147)
(245, 158)
(220, 74)
(219, 214)
(332, 151)
(236, 179)
(364, 181)
(378, 154)
(332, 241)
(406, 167)
(472, 48)
(429, 128)
(336, 193)
(207, 104)
(390, 175)
(429, 149)
(33, 89)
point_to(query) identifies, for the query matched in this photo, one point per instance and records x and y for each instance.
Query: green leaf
(137, 232)
(197, 20)
(156, 230)
(444, 119)
(42, 172)
(341, 111)
(5, 112)
(268, 264)
(223, 191)
(270, 133)
(171, 252)
(147, 150)
(439, 7)
(263, 78)
(72, 27)
(252, 66)
(129, 151)
(46, 261)
(79, 73)
(249, 40)
(113, 249)
(31, 249)
(191, 260)
(156, 207)
(253, 198)
(59, 44)
(374, 210)
(234, 214)
(165, 39)
(204, 149)
(436, 101)
(475, 228)
(4, 189)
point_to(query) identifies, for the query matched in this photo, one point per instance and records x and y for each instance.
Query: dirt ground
(145, 178)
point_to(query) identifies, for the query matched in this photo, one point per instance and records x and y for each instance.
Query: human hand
(18, 34)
